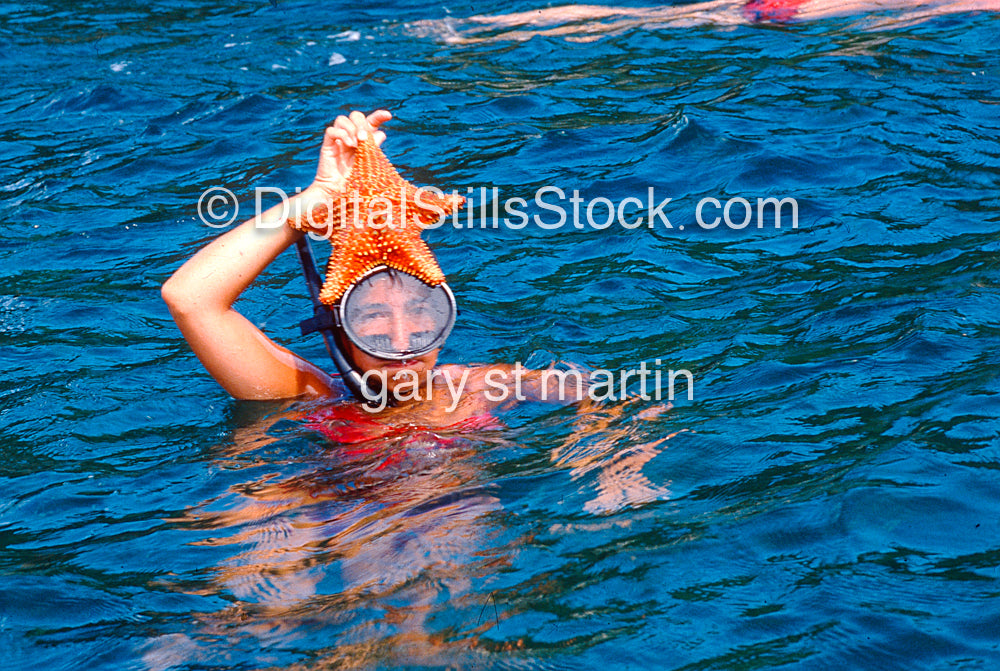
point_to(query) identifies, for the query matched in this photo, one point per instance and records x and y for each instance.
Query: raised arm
(200, 295)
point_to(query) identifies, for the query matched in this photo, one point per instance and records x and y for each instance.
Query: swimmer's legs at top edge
(566, 13)
(590, 20)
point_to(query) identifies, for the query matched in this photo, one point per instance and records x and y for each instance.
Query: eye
(372, 315)
(420, 339)
(380, 341)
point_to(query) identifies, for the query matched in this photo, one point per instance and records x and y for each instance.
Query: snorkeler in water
(389, 312)
(384, 300)
(589, 22)
(398, 509)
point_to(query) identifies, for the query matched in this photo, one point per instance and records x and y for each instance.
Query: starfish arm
(417, 259)
(382, 227)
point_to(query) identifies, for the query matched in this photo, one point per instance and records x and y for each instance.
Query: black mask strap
(324, 322)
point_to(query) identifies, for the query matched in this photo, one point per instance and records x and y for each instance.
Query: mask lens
(393, 315)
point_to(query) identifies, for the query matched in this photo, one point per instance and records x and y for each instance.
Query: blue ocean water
(828, 498)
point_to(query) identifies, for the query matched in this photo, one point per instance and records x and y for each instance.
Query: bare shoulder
(501, 382)
(480, 376)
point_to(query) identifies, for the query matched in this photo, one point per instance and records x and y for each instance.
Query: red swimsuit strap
(346, 423)
(771, 10)
(349, 424)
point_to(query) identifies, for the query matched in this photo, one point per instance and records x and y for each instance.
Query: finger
(343, 122)
(348, 130)
(333, 136)
(376, 119)
(361, 124)
(379, 117)
(330, 135)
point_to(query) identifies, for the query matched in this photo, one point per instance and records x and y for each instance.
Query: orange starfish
(377, 222)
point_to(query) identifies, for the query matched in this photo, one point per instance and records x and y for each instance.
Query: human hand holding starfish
(340, 143)
(371, 215)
